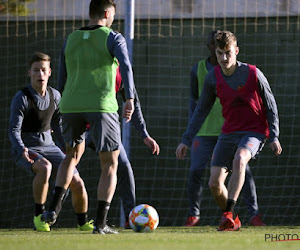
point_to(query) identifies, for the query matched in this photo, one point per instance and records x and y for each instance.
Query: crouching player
(34, 115)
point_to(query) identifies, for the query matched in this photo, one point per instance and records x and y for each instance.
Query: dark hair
(223, 39)
(97, 7)
(211, 36)
(37, 57)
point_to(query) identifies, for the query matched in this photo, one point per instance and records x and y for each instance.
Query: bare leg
(66, 169)
(106, 189)
(237, 179)
(108, 179)
(42, 169)
(64, 177)
(79, 195)
(217, 185)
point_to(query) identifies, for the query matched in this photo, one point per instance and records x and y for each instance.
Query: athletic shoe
(192, 221)
(105, 230)
(40, 225)
(237, 225)
(127, 225)
(88, 226)
(226, 221)
(49, 217)
(256, 221)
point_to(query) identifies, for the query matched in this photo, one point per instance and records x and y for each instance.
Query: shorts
(52, 153)
(228, 144)
(104, 129)
(201, 151)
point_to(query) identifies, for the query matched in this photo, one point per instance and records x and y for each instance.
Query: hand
(152, 144)
(181, 151)
(275, 146)
(26, 156)
(128, 109)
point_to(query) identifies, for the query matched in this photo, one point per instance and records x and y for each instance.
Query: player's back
(91, 73)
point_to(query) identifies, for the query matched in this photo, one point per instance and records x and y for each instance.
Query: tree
(15, 7)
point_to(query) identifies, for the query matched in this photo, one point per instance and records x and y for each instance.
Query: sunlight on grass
(163, 238)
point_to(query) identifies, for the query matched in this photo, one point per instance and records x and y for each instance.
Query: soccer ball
(143, 218)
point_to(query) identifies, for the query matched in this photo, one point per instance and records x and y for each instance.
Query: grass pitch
(173, 238)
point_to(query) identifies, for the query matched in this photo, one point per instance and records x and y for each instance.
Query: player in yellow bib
(89, 59)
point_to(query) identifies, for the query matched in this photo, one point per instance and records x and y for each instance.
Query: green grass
(172, 238)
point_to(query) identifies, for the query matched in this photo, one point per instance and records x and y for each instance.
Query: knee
(240, 161)
(124, 166)
(43, 169)
(75, 153)
(111, 169)
(77, 185)
(124, 169)
(195, 172)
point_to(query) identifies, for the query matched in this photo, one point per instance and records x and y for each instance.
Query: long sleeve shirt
(19, 109)
(137, 116)
(236, 80)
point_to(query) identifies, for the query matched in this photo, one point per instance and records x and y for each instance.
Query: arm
(271, 111)
(194, 96)
(204, 105)
(56, 122)
(140, 124)
(62, 72)
(117, 46)
(18, 109)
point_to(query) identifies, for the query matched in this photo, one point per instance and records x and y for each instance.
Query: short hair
(223, 39)
(97, 7)
(211, 36)
(37, 57)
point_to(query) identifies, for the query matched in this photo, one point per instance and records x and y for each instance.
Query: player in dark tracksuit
(126, 184)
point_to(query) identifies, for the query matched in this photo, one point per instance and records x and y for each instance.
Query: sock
(39, 209)
(82, 218)
(57, 199)
(102, 211)
(230, 205)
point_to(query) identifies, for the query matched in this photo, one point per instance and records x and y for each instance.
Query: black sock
(57, 199)
(39, 209)
(82, 218)
(230, 205)
(102, 212)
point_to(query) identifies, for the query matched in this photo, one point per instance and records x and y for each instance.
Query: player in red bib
(250, 114)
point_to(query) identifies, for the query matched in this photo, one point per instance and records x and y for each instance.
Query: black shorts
(104, 129)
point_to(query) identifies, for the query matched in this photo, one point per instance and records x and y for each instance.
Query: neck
(229, 71)
(41, 92)
(213, 60)
(97, 21)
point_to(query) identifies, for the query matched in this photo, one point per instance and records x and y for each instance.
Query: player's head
(224, 39)
(39, 70)
(211, 43)
(37, 57)
(103, 9)
(226, 49)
